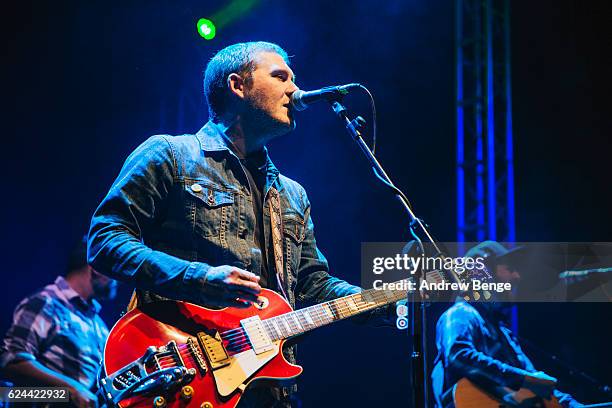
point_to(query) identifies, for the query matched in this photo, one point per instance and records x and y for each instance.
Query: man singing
(208, 218)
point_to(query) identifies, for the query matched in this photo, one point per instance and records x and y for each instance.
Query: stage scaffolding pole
(485, 159)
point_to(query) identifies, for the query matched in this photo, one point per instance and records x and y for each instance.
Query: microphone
(301, 99)
(583, 273)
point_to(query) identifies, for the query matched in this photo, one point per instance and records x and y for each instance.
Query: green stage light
(206, 29)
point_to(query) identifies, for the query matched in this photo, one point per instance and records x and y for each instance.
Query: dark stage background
(87, 82)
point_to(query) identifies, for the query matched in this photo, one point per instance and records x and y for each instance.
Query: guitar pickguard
(240, 367)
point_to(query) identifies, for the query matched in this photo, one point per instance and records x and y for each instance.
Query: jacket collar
(213, 139)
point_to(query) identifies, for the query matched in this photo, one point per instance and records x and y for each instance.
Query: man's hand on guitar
(540, 383)
(229, 286)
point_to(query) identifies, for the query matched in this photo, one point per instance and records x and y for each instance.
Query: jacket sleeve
(135, 201)
(457, 333)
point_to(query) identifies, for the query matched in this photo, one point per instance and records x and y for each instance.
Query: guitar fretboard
(300, 321)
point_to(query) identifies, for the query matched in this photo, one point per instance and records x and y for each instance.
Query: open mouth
(290, 110)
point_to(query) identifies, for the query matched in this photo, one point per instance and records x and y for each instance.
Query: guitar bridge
(197, 354)
(171, 351)
(146, 375)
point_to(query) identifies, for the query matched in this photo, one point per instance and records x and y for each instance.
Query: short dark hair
(238, 58)
(78, 256)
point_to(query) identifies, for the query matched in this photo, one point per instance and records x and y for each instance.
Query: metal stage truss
(485, 182)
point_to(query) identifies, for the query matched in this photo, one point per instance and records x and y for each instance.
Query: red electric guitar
(177, 354)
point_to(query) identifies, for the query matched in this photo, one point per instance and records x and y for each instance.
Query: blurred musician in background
(474, 341)
(57, 336)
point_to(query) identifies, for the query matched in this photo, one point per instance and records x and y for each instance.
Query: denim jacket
(182, 204)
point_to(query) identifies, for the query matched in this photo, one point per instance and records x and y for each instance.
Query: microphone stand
(418, 317)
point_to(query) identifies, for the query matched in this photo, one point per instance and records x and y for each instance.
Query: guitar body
(219, 380)
(468, 395)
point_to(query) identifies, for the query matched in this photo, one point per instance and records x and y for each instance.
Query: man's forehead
(271, 61)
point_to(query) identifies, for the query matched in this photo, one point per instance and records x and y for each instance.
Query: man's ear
(235, 84)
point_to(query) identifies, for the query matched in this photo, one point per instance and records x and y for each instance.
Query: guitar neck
(300, 321)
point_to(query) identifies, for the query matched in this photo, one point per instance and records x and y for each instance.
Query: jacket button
(196, 188)
(243, 233)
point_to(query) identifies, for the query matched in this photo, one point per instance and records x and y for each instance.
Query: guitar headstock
(470, 275)
(465, 276)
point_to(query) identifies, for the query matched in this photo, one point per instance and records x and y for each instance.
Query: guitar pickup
(257, 335)
(214, 350)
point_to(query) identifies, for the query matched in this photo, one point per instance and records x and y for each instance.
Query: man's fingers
(250, 286)
(245, 275)
(243, 285)
(230, 283)
(242, 274)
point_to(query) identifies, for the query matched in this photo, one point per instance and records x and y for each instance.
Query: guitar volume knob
(261, 303)
(159, 402)
(187, 392)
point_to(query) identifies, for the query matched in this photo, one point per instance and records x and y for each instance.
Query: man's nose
(291, 89)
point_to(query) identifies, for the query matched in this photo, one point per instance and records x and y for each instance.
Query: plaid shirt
(60, 330)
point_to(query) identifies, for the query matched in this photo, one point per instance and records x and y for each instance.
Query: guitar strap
(276, 220)
(133, 304)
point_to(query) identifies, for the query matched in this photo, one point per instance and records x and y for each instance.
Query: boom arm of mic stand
(352, 128)
(419, 340)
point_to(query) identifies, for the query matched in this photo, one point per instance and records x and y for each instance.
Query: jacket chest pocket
(209, 208)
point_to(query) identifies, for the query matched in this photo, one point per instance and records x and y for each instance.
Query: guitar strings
(172, 357)
(237, 339)
(288, 326)
(337, 313)
(235, 343)
(361, 305)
